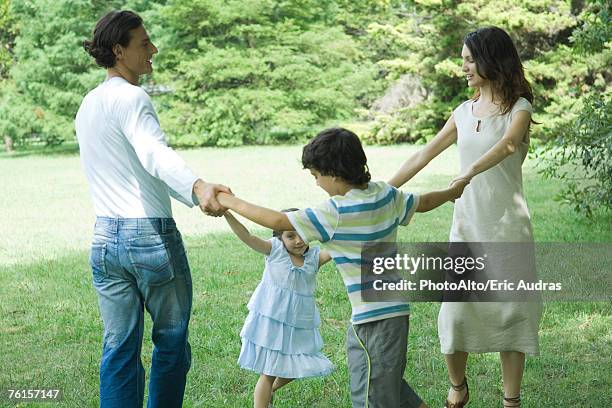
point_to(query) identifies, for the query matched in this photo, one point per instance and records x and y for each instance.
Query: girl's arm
(324, 257)
(429, 201)
(506, 146)
(275, 220)
(245, 236)
(445, 137)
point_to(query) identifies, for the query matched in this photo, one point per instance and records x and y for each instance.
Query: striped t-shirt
(345, 223)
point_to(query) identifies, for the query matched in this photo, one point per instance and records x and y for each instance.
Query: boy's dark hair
(278, 234)
(114, 28)
(337, 152)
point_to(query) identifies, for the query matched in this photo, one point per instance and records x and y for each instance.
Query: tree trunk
(8, 143)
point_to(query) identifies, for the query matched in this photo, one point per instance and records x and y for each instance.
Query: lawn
(50, 329)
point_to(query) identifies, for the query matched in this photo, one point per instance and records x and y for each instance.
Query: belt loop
(139, 226)
(115, 225)
(163, 225)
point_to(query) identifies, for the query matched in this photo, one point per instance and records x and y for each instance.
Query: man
(137, 257)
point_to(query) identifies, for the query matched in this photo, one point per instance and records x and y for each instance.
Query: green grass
(50, 329)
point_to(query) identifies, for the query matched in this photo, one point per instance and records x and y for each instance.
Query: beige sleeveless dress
(491, 209)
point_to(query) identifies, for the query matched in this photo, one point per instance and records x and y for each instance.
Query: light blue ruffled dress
(280, 336)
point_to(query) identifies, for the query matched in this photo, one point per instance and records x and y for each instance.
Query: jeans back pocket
(151, 261)
(98, 263)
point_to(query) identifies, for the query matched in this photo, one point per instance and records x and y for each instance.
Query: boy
(358, 212)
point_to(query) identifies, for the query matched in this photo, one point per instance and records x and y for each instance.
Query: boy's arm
(432, 200)
(245, 236)
(324, 257)
(265, 217)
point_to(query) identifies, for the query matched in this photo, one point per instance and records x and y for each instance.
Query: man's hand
(207, 197)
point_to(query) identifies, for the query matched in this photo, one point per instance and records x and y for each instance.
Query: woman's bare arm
(415, 163)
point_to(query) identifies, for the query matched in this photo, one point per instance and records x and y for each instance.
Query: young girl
(280, 337)
(491, 131)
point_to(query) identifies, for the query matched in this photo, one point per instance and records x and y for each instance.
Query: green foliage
(427, 43)
(406, 125)
(239, 72)
(579, 148)
(271, 74)
(582, 157)
(270, 71)
(7, 38)
(596, 31)
(51, 72)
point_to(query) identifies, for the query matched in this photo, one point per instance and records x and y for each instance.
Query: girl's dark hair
(278, 234)
(498, 61)
(337, 152)
(114, 28)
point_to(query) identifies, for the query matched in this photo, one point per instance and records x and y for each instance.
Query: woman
(491, 131)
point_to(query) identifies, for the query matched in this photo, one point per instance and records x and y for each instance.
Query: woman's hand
(467, 177)
(458, 185)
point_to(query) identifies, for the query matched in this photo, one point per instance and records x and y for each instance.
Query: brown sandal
(515, 401)
(464, 401)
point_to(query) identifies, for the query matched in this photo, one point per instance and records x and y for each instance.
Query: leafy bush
(579, 148)
(581, 156)
(409, 125)
(427, 43)
(269, 71)
(269, 74)
(50, 73)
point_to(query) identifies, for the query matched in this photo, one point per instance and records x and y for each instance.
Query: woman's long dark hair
(498, 61)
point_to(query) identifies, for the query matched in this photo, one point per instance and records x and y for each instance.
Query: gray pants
(376, 362)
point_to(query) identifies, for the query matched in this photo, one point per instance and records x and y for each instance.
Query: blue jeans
(141, 263)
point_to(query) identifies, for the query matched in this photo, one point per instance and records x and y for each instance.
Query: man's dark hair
(114, 28)
(337, 152)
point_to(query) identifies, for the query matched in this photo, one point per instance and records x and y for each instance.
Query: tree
(579, 151)
(51, 72)
(7, 41)
(426, 44)
(234, 72)
(259, 71)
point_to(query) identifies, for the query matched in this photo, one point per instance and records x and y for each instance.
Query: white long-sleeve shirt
(130, 168)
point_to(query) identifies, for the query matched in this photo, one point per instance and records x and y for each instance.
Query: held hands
(207, 197)
(466, 176)
(458, 185)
